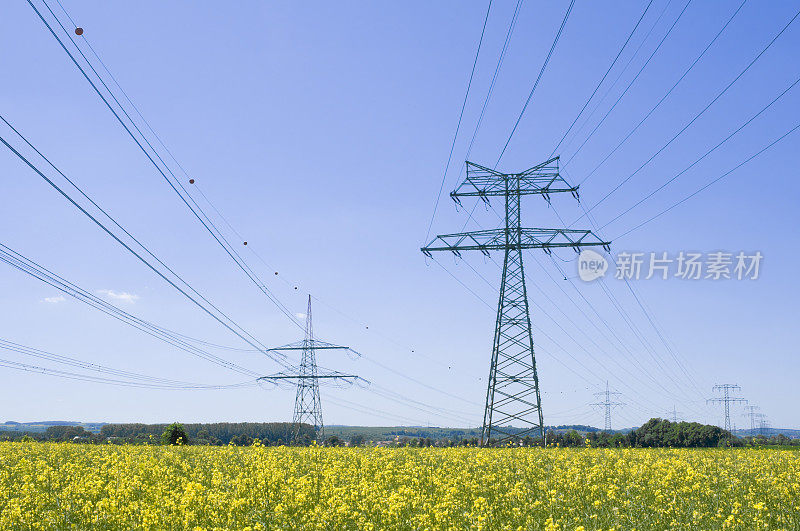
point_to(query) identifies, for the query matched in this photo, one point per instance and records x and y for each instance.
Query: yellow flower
(195, 487)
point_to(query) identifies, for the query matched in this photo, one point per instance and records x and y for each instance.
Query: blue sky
(321, 132)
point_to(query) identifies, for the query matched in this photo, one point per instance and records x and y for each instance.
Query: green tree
(357, 440)
(333, 440)
(241, 440)
(174, 434)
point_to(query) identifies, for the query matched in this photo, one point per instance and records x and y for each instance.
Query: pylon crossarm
(314, 343)
(543, 179)
(296, 377)
(496, 240)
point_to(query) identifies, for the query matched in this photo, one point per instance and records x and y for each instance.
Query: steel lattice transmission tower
(512, 396)
(608, 404)
(674, 414)
(763, 425)
(726, 400)
(752, 412)
(307, 404)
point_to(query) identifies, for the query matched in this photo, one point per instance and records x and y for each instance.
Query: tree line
(215, 434)
(656, 433)
(661, 433)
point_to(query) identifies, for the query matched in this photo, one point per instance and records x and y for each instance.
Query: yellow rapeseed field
(63, 486)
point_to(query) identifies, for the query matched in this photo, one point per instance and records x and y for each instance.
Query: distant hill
(769, 432)
(41, 426)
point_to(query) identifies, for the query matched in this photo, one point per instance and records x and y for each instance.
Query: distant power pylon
(763, 424)
(726, 400)
(608, 404)
(512, 395)
(752, 412)
(307, 404)
(674, 414)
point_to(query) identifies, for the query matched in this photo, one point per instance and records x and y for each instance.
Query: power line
(488, 97)
(650, 319)
(600, 81)
(726, 400)
(628, 321)
(706, 154)
(249, 271)
(232, 326)
(460, 117)
(622, 71)
(694, 119)
(636, 330)
(631, 356)
(625, 44)
(647, 411)
(416, 381)
(166, 149)
(538, 78)
(420, 406)
(752, 412)
(307, 405)
(134, 379)
(539, 330)
(513, 393)
(670, 90)
(608, 404)
(116, 223)
(661, 336)
(201, 216)
(633, 359)
(28, 266)
(674, 414)
(370, 410)
(625, 91)
(18, 261)
(666, 95)
(712, 182)
(637, 333)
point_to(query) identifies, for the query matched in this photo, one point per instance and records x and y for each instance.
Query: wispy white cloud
(55, 300)
(122, 296)
(300, 315)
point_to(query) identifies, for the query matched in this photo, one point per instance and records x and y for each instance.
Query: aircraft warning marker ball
(191, 181)
(78, 31)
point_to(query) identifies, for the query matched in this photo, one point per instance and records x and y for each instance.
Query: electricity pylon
(307, 404)
(752, 412)
(726, 400)
(512, 395)
(763, 425)
(608, 404)
(674, 414)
